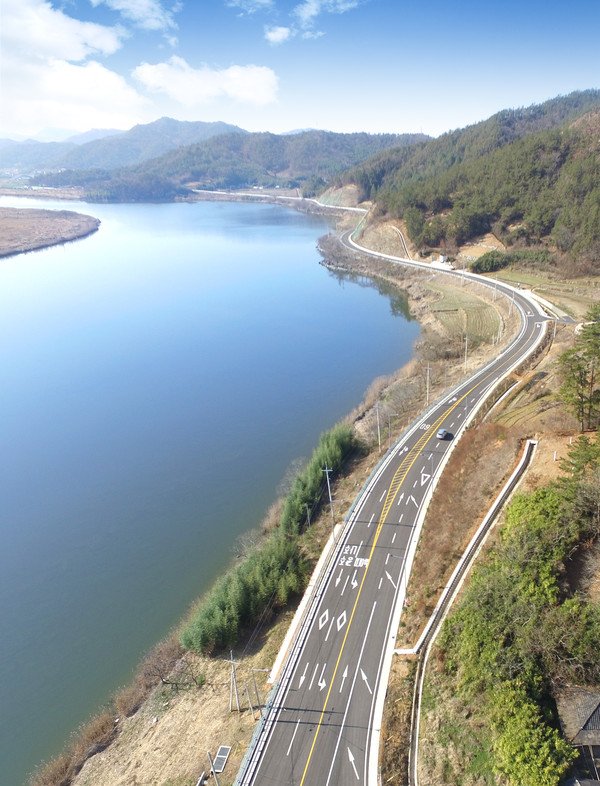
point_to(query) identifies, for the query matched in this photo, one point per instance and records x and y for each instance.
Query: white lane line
(293, 737)
(382, 496)
(329, 628)
(313, 676)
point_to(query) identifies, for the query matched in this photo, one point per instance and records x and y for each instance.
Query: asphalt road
(324, 717)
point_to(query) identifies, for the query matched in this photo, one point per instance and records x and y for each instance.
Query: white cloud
(277, 35)
(251, 6)
(193, 86)
(33, 29)
(147, 14)
(308, 11)
(49, 75)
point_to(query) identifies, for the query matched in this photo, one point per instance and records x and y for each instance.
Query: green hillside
(531, 176)
(237, 160)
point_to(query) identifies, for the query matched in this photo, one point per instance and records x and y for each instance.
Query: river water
(157, 379)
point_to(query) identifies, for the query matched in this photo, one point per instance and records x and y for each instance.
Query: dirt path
(28, 229)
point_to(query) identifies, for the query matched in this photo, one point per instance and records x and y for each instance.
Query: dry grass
(29, 229)
(475, 473)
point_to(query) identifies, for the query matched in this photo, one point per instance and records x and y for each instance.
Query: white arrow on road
(344, 675)
(339, 578)
(354, 581)
(400, 498)
(351, 757)
(395, 586)
(366, 681)
(303, 677)
(322, 684)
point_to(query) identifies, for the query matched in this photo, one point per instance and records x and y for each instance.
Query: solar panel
(221, 758)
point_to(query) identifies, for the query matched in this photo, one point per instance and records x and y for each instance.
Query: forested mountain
(237, 160)
(126, 148)
(532, 176)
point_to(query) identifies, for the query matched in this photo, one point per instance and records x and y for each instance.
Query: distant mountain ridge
(113, 149)
(238, 159)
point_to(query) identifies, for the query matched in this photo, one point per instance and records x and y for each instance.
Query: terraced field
(461, 311)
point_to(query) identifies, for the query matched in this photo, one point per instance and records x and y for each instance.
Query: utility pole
(256, 688)
(233, 686)
(249, 700)
(212, 768)
(327, 470)
(395, 414)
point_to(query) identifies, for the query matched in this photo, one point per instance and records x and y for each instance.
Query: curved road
(323, 720)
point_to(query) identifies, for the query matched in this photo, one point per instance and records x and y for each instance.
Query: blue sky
(279, 65)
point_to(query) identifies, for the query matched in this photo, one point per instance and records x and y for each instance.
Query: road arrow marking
(339, 578)
(414, 500)
(400, 498)
(366, 681)
(354, 581)
(303, 677)
(322, 684)
(351, 757)
(344, 675)
(395, 586)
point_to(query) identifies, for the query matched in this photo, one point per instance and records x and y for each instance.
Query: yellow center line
(397, 481)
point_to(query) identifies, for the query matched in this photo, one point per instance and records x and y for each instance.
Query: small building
(579, 715)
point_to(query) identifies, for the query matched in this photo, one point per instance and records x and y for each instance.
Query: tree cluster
(580, 370)
(531, 176)
(520, 632)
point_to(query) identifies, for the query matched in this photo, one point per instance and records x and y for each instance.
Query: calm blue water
(156, 381)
